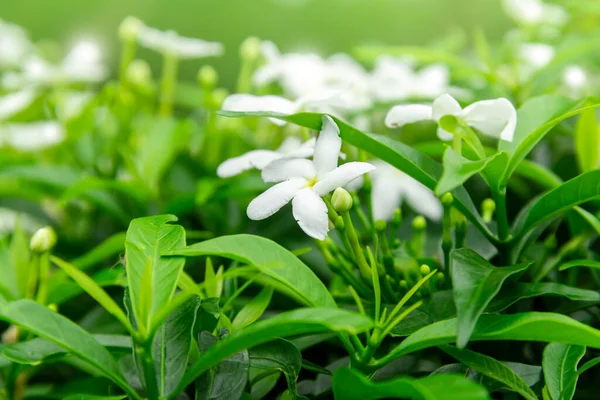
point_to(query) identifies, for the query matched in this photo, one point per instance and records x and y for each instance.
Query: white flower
(535, 12)
(394, 79)
(391, 187)
(575, 80)
(12, 103)
(14, 45)
(182, 47)
(290, 148)
(32, 136)
(496, 118)
(303, 182)
(536, 55)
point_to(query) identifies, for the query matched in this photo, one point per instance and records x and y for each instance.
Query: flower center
(311, 182)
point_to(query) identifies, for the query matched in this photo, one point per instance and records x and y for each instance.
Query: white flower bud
(250, 48)
(341, 200)
(43, 240)
(130, 28)
(139, 72)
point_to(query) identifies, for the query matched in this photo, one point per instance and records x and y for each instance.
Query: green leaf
(349, 384)
(61, 288)
(492, 368)
(278, 355)
(208, 315)
(510, 294)
(534, 120)
(253, 309)
(172, 346)
(269, 258)
(475, 283)
(152, 279)
(94, 290)
(110, 247)
(587, 141)
(580, 189)
(559, 364)
(530, 326)
(66, 334)
(92, 397)
(405, 158)
(37, 351)
(19, 257)
(580, 263)
(457, 169)
(292, 323)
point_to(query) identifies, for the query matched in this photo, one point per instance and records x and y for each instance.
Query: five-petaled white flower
(495, 118)
(391, 187)
(180, 46)
(303, 182)
(290, 148)
(535, 12)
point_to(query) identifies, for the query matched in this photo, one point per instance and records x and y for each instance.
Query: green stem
(350, 233)
(168, 83)
(457, 144)
(501, 214)
(32, 279)
(44, 275)
(128, 51)
(149, 369)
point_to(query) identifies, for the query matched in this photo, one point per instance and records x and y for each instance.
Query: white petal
(432, 81)
(289, 144)
(445, 105)
(496, 118)
(271, 201)
(171, 42)
(444, 135)
(407, 114)
(32, 136)
(248, 102)
(307, 149)
(284, 169)
(327, 147)
(386, 196)
(252, 159)
(422, 200)
(341, 176)
(310, 212)
(15, 102)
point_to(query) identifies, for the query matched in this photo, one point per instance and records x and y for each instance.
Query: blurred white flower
(180, 46)
(32, 136)
(15, 102)
(290, 148)
(82, 64)
(575, 80)
(303, 182)
(9, 218)
(394, 79)
(72, 103)
(391, 187)
(14, 45)
(495, 118)
(536, 55)
(535, 12)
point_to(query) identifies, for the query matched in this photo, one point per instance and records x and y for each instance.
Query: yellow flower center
(311, 182)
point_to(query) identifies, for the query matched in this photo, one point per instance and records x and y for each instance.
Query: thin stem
(44, 275)
(457, 144)
(32, 279)
(149, 369)
(350, 233)
(167, 84)
(501, 214)
(128, 51)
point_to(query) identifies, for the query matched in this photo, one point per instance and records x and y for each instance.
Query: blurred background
(324, 26)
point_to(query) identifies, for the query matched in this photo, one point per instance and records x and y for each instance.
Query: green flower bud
(250, 48)
(380, 225)
(403, 284)
(130, 28)
(139, 73)
(424, 270)
(419, 222)
(207, 77)
(43, 240)
(341, 200)
(440, 276)
(488, 208)
(447, 199)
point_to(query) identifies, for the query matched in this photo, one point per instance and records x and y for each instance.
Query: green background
(325, 26)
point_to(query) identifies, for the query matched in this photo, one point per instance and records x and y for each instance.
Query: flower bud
(488, 208)
(419, 223)
(130, 28)
(341, 200)
(403, 284)
(207, 77)
(447, 199)
(440, 277)
(139, 73)
(424, 270)
(380, 225)
(43, 240)
(250, 48)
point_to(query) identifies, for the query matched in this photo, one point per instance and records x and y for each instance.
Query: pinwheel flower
(304, 182)
(290, 148)
(169, 42)
(495, 118)
(394, 79)
(391, 187)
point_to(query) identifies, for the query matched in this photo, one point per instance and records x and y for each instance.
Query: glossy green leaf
(510, 294)
(94, 290)
(349, 384)
(559, 364)
(405, 158)
(580, 263)
(253, 309)
(66, 334)
(587, 141)
(292, 323)
(152, 279)
(278, 355)
(580, 189)
(92, 397)
(457, 169)
(269, 258)
(530, 326)
(492, 368)
(172, 346)
(475, 283)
